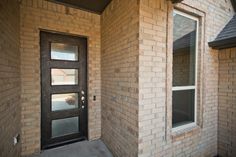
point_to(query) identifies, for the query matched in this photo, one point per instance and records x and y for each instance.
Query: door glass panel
(183, 107)
(62, 127)
(64, 76)
(64, 101)
(61, 51)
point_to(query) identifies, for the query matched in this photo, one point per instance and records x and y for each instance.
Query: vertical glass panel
(61, 51)
(61, 127)
(64, 101)
(183, 107)
(64, 76)
(184, 51)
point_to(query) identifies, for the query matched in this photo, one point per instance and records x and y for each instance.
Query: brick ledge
(182, 134)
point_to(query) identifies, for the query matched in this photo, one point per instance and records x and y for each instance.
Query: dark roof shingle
(227, 37)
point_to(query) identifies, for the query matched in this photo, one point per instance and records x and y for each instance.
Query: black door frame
(46, 37)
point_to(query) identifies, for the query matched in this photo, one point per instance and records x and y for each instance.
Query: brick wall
(41, 14)
(227, 103)
(9, 77)
(136, 68)
(155, 79)
(152, 77)
(120, 77)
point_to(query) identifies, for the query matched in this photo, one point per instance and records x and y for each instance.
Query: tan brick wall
(155, 79)
(41, 14)
(152, 76)
(9, 77)
(227, 103)
(136, 69)
(119, 26)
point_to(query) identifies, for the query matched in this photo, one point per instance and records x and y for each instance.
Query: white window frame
(181, 88)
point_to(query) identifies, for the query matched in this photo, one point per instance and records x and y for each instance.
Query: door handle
(82, 99)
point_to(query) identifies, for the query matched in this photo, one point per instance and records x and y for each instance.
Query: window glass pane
(183, 107)
(64, 101)
(61, 127)
(64, 76)
(184, 50)
(61, 51)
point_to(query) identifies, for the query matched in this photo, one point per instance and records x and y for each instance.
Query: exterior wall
(9, 77)
(156, 138)
(41, 14)
(136, 76)
(152, 76)
(227, 103)
(120, 77)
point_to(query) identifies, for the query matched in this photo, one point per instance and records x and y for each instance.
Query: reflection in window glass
(184, 69)
(184, 49)
(64, 101)
(64, 76)
(183, 107)
(61, 51)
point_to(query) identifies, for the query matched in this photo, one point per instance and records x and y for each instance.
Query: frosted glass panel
(64, 76)
(61, 127)
(61, 51)
(64, 101)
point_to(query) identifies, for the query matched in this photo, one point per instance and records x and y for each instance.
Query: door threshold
(59, 144)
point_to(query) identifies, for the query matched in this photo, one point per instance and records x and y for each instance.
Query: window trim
(181, 88)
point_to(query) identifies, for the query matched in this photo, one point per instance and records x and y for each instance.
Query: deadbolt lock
(82, 98)
(82, 92)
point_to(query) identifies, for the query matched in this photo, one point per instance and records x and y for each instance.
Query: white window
(184, 85)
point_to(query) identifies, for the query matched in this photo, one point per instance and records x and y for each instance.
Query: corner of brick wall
(227, 103)
(119, 26)
(9, 77)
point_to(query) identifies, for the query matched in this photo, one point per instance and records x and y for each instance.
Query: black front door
(63, 89)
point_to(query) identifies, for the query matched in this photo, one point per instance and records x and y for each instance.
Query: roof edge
(223, 44)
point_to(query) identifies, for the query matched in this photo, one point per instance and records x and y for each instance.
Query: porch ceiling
(176, 1)
(234, 4)
(96, 6)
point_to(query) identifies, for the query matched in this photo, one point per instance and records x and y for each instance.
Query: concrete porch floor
(80, 149)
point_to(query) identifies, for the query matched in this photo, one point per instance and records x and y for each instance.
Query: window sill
(181, 134)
